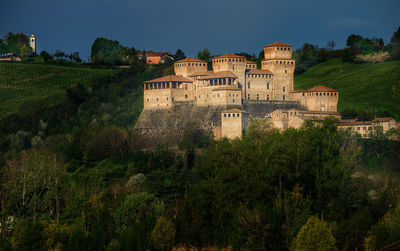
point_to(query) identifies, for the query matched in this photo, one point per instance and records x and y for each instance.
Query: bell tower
(32, 43)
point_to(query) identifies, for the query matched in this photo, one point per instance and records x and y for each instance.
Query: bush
(163, 234)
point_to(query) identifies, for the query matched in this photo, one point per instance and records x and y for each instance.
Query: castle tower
(278, 59)
(233, 63)
(32, 43)
(189, 66)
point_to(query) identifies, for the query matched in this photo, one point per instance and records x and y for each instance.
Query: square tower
(190, 66)
(278, 59)
(32, 43)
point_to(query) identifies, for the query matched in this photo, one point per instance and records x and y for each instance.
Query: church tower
(33, 44)
(278, 59)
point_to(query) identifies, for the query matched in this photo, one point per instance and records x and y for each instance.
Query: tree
(314, 235)
(163, 234)
(395, 43)
(46, 56)
(331, 44)
(59, 54)
(16, 41)
(353, 41)
(35, 184)
(386, 234)
(75, 57)
(135, 219)
(25, 52)
(179, 55)
(3, 47)
(106, 52)
(204, 55)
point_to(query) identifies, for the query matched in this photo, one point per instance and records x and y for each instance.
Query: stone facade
(368, 128)
(236, 83)
(233, 123)
(157, 57)
(32, 43)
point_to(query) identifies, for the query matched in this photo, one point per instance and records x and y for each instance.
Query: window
(364, 128)
(238, 114)
(224, 114)
(233, 115)
(285, 71)
(284, 98)
(167, 98)
(283, 89)
(358, 128)
(248, 96)
(229, 115)
(258, 96)
(268, 86)
(157, 99)
(147, 100)
(267, 96)
(186, 96)
(248, 85)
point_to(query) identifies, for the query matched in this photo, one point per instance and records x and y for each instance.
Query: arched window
(284, 89)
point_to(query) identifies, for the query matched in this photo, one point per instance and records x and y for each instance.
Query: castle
(235, 91)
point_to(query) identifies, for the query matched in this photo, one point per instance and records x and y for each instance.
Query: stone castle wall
(169, 125)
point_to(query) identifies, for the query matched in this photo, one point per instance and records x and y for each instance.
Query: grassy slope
(22, 84)
(361, 86)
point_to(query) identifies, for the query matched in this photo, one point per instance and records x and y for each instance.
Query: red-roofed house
(157, 57)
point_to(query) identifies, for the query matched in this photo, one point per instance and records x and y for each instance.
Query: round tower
(32, 43)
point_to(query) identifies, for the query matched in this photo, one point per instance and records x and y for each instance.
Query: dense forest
(74, 176)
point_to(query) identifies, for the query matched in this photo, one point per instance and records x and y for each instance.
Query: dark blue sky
(219, 25)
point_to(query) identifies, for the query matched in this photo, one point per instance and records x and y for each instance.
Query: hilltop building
(234, 92)
(32, 43)
(368, 128)
(157, 57)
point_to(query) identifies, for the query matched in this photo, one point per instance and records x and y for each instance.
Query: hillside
(22, 84)
(366, 86)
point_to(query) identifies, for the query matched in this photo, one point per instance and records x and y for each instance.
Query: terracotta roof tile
(321, 88)
(199, 73)
(318, 88)
(354, 123)
(234, 110)
(169, 78)
(258, 71)
(220, 74)
(191, 60)
(229, 55)
(278, 44)
(382, 119)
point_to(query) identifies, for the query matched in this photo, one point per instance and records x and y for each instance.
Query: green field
(368, 86)
(22, 84)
